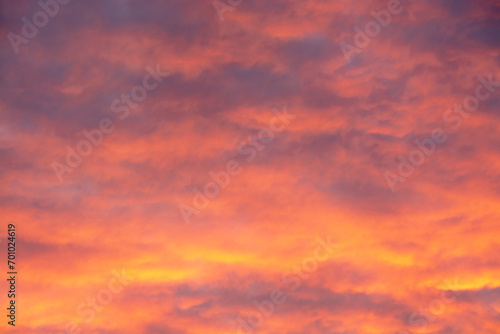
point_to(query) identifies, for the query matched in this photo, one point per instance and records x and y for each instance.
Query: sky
(240, 167)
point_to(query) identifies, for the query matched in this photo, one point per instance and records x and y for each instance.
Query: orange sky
(245, 175)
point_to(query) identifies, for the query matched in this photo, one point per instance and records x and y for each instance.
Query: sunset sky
(241, 166)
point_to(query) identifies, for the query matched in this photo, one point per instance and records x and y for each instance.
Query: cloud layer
(419, 258)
